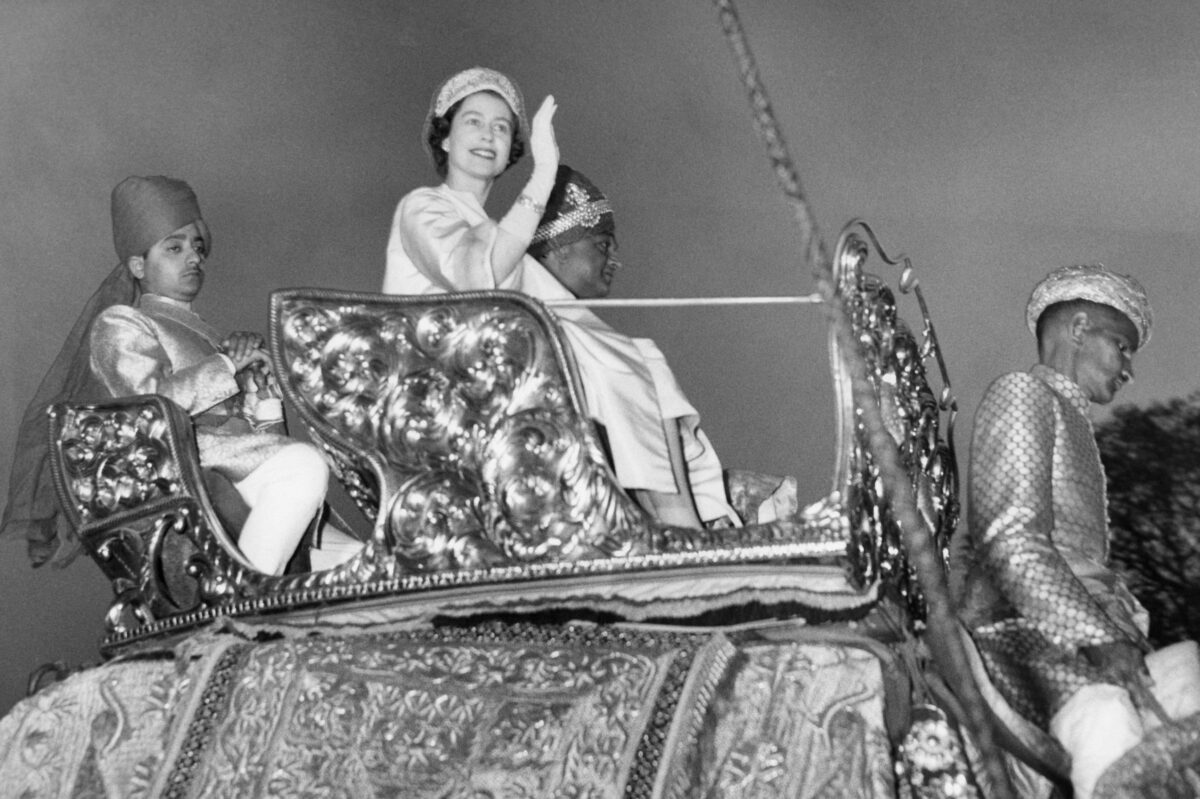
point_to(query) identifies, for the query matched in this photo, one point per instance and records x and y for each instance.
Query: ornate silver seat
(455, 423)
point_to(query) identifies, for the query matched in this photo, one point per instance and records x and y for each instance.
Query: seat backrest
(455, 422)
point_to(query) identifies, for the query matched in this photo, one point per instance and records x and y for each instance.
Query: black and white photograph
(599, 398)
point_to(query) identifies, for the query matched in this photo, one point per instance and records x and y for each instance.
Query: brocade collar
(181, 312)
(159, 298)
(1065, 387)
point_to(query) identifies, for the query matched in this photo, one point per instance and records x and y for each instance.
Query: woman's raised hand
(517, 227)
(542, 144)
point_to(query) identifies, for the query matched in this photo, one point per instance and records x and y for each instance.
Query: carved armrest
(128, 479)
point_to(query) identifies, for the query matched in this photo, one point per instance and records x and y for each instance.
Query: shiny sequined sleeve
(128, 358)
(1012, 509)
(433, 247)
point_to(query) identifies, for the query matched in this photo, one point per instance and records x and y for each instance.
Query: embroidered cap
(465, 83)
(574, 209)
(1095, 284)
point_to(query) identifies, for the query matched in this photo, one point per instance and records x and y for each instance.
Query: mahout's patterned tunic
(1037, 585)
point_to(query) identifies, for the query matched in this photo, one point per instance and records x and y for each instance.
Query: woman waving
(442, 240)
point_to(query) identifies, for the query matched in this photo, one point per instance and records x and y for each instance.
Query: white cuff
(269, 410)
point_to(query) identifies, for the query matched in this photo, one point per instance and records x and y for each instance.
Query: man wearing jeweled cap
(575, 241)
(1060, 635)
(576, 236)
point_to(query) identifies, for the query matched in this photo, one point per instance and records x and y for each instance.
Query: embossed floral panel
(505, 712)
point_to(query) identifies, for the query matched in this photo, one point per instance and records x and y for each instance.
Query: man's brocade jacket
(1037, 586)
(160, 347)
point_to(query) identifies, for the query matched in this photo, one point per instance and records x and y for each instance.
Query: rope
(927, 564)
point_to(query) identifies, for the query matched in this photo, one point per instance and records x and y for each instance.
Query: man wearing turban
(139, 335)
(1061, 637)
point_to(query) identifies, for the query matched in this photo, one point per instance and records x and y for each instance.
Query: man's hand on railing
(245, 348)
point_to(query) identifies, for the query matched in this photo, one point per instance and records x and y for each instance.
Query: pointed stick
(921, 550)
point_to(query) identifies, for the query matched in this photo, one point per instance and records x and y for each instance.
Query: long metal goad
(923, 556)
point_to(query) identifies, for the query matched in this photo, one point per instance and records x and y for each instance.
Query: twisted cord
(930, 574)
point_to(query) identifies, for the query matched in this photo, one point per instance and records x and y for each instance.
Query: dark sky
(988, 141)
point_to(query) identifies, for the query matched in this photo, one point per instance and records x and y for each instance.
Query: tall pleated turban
(146, 210)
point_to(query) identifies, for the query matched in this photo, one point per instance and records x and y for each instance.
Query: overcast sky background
(988, 141)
